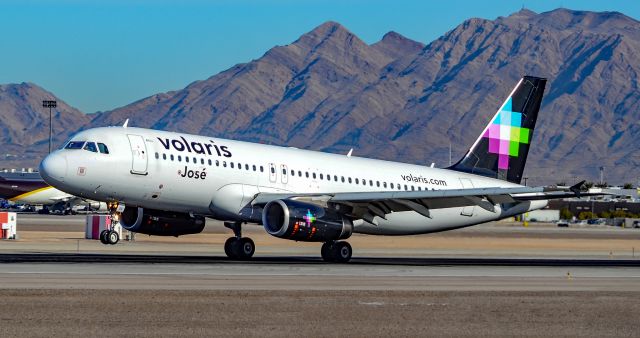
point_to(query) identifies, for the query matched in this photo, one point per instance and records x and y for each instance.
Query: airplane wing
(367, 205)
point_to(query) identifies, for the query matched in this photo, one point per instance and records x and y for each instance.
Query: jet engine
(305, 222)
(160, 223)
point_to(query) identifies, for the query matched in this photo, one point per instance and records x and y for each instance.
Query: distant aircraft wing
(63, 198)
(367, 205)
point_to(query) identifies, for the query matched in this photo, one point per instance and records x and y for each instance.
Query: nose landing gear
(109, 235)
(238, 247)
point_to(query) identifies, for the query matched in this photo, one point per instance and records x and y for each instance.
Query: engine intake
(305, 222)
(160, 223)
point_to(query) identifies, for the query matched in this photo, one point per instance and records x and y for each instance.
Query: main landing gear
(238, 247)
(337, 252)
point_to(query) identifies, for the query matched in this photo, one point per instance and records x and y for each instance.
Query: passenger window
(157, 156)
(90, 146)
(335, 178)
(179, 158)
(239, 166)
(406, 188)
(224, 164)
(209, 162)
(75, 145)
(103, 148)
(273, 170)
(342, 178)
(357, 181)
(413, 188)
(231, 164)
(321, 177)
(314, 176)
(371, 183)
(378, 184)
(195, 160)
(254, 167)
(293, 173)
(306, 174)
(299, 173)
(246, 167)
(364, 182)
(217, 163)
(171, 157)
(284, 171)
(391, 185)
(164, 156)
(261, 169)
(202, 161)
(186, 159)
(349, 179)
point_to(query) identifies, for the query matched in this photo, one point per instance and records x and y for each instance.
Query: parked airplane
(29, 188)
(167, 183)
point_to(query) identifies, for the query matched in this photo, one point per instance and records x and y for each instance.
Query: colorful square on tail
(505, 134)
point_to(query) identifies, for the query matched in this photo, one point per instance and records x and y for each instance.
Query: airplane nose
(53, 168)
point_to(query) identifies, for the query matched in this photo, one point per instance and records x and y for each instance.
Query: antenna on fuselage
(350, 152)
(126, 123)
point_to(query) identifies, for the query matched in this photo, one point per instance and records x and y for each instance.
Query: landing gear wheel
(228, 247)
(112, 237)
(342, 252)
(337, 252)
(239, 248)
(103, 236)
(326, 251)
(247, 248)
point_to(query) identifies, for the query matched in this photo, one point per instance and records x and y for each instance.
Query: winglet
(126, 123)
(576, 188)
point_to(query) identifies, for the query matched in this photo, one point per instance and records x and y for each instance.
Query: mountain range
(398, 99)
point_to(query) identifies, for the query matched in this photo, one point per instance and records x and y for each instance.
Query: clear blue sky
(99, 55)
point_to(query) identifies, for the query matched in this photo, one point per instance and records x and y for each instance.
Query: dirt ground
(66, 313)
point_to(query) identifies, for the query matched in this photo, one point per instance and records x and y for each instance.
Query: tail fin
(502, 148)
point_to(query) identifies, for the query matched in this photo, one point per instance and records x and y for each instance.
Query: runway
(151, 272)
(495, 279)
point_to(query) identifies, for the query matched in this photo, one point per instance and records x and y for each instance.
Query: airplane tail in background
(502, 148)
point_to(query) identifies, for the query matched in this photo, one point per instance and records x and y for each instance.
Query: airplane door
(138, 154)
(284, 178)
(273, 175)
(467, 184)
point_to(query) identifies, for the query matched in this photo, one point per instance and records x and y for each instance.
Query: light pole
(50, 104)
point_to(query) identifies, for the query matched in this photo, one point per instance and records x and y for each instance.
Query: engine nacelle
(305, 222)
(160, 223)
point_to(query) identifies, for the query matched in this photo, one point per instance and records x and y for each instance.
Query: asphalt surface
(73, 223)
(489, 280)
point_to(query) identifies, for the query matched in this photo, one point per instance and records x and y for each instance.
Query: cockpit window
(75, 145)
(103, 148)
(90, 146)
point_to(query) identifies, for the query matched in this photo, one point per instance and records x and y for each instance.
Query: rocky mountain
(398, 99)
(24, 124)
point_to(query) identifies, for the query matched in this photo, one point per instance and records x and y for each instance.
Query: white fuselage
(218, 178)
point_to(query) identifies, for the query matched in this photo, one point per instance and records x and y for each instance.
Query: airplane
(26, 187)
(165, 183)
